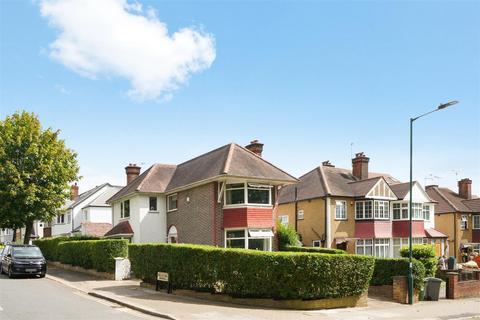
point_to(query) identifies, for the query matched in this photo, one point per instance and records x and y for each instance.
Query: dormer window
(248, 193)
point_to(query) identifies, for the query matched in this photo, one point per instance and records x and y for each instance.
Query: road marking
(1, 309)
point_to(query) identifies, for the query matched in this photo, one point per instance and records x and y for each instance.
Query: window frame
(283, 219)
(342, 215)
(300, 214)
(246, 237)
(362, 243)
(364, 210)
(464, 222)
(125, 209)
(476, 225)
(426, 211)
(319, 242)
(247, 186)
(168, 202)
(150, 198)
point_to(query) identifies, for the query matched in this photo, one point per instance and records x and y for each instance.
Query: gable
(381, 190)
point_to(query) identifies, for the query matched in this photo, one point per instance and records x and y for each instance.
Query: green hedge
(93, 254)
(425, 254)
(287, 236)
(49, 246)
(249, 273)
(313, 250)
(386, 268)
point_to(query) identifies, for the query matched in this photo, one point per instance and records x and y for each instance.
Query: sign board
(162, 276)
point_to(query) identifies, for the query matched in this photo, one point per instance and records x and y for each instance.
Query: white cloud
(116, 37)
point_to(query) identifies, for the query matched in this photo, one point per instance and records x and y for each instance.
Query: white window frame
(61, 218)
(340, 210)
(168, 202)
(399, 243)
(300, 214)
(381, 210)
(402, 208)
(247, 237)
(362, 244)
(123, 211)
(247, 186)
(426, 212)
(317, 243)
(382, 247)
(362, 215)
(464, 222)
(476, 221)
(283, 219)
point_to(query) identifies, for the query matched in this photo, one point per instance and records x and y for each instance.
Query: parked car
(1, 256)
(23, 259)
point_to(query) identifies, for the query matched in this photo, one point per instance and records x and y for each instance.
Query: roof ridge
(323, 180)
(436, 189)
(203, 154)
(148, 171)
(228, 161)
(379, 177)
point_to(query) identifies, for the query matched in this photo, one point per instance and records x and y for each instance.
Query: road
(44, 299)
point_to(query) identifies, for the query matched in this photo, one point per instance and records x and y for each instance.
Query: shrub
(249, 273)
(386, 268)
(93, 254)
(425, 254)
(287, 236)
(49, 246)
(313, 250)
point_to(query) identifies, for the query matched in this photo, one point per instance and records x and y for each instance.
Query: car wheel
(1, 269)
(42, 275)
(10, 274)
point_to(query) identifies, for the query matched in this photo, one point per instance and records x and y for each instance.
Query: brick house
(357, 210)
(224, 198)
(457, 214)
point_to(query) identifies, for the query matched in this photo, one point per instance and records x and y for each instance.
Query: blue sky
(305, 78)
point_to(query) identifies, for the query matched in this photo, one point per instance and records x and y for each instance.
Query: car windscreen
(26, 252)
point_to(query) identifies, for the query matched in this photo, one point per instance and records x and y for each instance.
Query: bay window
(369, 209)
(426, 212)
(363, 210)
(248, 193)
(399, 243)
(381, 210)
(254, 239)
(364, 246)
(420, 211)
(417, 211)
(382, 248)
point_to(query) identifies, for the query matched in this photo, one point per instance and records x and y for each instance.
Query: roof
(448, 201)
(230, 160)
(328, 180)
(85, 195)
(101, 200)
(94, 229)
(121, 228)
(473, 204)
(402, 189)
(433, 233)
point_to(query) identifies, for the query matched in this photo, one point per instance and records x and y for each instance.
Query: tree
(36, 169)
(287, 236)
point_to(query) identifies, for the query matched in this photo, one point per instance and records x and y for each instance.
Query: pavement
(128, 293)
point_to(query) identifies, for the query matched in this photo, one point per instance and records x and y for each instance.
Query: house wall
(343, 228)
(97, 215)
(445, 223)
(64, 228)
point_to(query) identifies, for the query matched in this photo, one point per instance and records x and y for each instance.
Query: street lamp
(410, 267)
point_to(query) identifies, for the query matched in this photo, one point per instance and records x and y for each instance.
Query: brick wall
(400, 290)
(462, 289)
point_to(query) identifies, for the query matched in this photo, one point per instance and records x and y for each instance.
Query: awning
(432, 233)
(260, 233)
(340, 240)
(121, 229)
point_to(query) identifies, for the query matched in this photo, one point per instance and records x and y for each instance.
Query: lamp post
(410, 267)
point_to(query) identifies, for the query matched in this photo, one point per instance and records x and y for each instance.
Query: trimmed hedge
(425, 254)
(49, 246)
(386, 268)
(250, 273)
(314, 250)
(93, 254)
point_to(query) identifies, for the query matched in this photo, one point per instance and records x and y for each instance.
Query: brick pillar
(476, 274)
(452, 282)
(400, 290)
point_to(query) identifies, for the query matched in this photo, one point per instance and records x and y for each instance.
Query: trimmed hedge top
(249, 273)
(387, 268)
(49, 246)
(314, 250)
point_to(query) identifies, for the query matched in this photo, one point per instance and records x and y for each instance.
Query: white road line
(1, 309)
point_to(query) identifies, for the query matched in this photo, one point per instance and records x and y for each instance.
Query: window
(382, 248)
(61, 218)
(381, 210)
(248, 193)
(152, 203)
(317, 243)
(476, 221)
(172, 236)
(254, 239)
(235, 193)
(172, 202)
(404, 210)
(476, 247)
(235, 238)
(300, 215)
(397, 211)
(417, 209)
(426, 212)
(340, 210)
(125, 209)
(399, 243)
(85, 215)
(283, 219)
(364, 246)
(258, 194)
(464, 222)
(363, 210)
(69, 217)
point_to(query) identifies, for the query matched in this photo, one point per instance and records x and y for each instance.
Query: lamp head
(446, 105)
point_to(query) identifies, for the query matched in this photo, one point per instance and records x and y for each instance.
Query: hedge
(250, 273)
(93, 254)
(49, 246)
(287, 236)
(313, 250)
(425, 254)
(386, 268)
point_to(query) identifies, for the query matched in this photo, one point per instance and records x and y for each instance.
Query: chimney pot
(74, 192)
(465, 188)
(132, 171)
(256, 147)
(360, 166)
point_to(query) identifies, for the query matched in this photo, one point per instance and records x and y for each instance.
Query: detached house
(224, 198)
(86, 213)
(356, 210)
(458, 216)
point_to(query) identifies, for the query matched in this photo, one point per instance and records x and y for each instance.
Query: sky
(164, 81)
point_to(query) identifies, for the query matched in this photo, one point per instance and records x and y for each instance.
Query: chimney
(360, 166)
(327, 164)
(465, 188)
(256, 147)
(132, 171)
(74, 192)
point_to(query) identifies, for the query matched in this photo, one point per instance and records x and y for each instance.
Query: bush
(249, 273)
(93, 254)
(287, 236)
(386, 268)
(425, 254)
(313, 250)
(49, 246)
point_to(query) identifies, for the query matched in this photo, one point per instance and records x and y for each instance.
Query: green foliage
(287, 236)
(386, 269)
(250, 273)
(93, 254)
(35, 171)
(313, 250)
(49, 246)
(425, 254)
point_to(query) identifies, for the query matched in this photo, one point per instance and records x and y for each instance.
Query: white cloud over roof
(118, 38)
